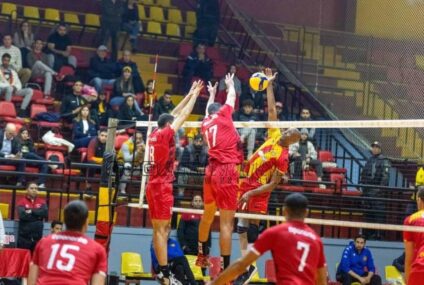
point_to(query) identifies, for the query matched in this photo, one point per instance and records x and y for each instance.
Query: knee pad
(252, 233)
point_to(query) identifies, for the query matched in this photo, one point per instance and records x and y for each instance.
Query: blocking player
(300, 261)
(264, 171)
(69, 257)
(414, 244)
(221, 175)
(161, 175)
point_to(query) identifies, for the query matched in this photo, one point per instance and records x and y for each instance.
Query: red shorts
(221, 185)
(256, 204)
(160, 200)
(416, 278)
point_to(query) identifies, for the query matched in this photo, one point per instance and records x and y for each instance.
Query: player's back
(297, 252)
(222, 137)
(162, 155)
(68, 258)
(416, 219)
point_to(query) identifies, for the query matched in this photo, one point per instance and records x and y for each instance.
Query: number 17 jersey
(222, 137)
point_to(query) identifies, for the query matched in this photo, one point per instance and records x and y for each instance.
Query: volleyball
(258, 81)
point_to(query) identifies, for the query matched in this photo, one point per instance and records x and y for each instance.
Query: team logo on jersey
(262, 155)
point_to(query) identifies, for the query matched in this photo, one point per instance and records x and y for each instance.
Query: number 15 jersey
(222, 137)
(68, 258)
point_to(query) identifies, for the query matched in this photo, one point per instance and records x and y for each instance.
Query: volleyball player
(414, 244)
(296, 249)
(221, 174)
(161, 175)
(69, 257)
(264, 171)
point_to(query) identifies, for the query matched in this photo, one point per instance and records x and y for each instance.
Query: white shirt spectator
(2, 234)
(16, 56)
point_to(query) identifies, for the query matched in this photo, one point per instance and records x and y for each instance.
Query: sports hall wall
(138, 240)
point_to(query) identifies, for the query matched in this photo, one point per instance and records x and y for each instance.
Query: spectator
(193, 161)
(122, 87)
(164, 105)
(11, 85)
(26, 148)
(24, 39)
(72, 103)
(56, 227)
(178, 264)
(130, 156)
(246, 114)
(100, 110)
(131, 22)
(232, 69)
(128, 111)
(39, 64)
(207, 14)
(59, 46)
(111, 19)
(399, 263)
(304, 155)
(84, 128)
(126, 61)
(2, 233)
(305, 115)
(281, 114)
(102, 70)
(96, 147)
(15, 58)
(376, 173)
(149, 98)
(357, 264)
(197, 64)
(188, 228)
(9, 148)
(257, 98)
(32, 211)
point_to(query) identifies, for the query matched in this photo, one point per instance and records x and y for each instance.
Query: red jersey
(222, 137)
(297, 252)
(416, 219)
(68, 258)
(162, 155)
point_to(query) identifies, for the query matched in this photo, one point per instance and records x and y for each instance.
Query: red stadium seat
(8, 113)
(119, 140)
(270, 271)
(31, 169)
(38, 98)
(185, 50)
(60, 158)
(327, 156)
(213, 53)
(310, 175)
(7, 168)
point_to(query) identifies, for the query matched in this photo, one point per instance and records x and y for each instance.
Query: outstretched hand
(198, 87)
(268, 73)
(212, 88)
(193, 87)
(229, 80)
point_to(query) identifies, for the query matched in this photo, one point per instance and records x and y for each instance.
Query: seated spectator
(59, 47)
(192, 164)
(56, 227)
(305, 115)
(102, 70)
(9, 148)
(131, 22)
(24, 39)
(84, 128)
(232, 69)
(11, 85)
(100, 110)
(258, 98)
(164, 105)
(357, 264)
(72, 103)
(39, 64)
(188, 228)
(399, 263)
(178, 264)
(137, 80)
(122, 87)
(130, 156)
(246, 114)
(281, 114)
(197, 64)
(26, 148)
(15, 59)
(96, 147)
(128, 111)
(304, 155)
(149, 98)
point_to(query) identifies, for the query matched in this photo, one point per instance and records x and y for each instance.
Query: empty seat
(4, 210)
(119, 140)
(132, 265)
(173, 30)
(51, 15)
(8, 113)
(92, 20)
(164, 3)
(189, 31)
(329, 165)
(147, 2)
(191, 18)
(31, 12)
(175, 16)
(156, 14)
(141, 12)
(10, 10)
(71, 18)
(154, 28)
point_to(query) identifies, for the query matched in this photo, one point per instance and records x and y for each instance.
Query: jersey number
(66, 260)
(152, 154)
(304, 247)
(211, 135)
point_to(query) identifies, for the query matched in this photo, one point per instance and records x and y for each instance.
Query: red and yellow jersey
(270, 157)
(416, 219)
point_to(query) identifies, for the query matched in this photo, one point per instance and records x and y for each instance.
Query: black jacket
(69, 103)
(15, 144)
(193, 158)
(120, 87)
(112, 12)
(160, 108)
(136, 77)
(187, 232)
(102, 68)
(242, 117)
(376, 171)
(128, 114)
(26, 147)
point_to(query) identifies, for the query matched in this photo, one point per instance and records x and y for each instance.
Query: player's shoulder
(415, 218)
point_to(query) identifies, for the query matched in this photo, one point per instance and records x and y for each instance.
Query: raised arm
(212, 94)
(177, 110)
(231, 91)
(272, 111)
(180, 119)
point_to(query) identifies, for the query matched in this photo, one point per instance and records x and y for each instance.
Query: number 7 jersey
(222, 137)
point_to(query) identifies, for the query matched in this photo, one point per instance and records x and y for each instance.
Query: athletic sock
(225, 261)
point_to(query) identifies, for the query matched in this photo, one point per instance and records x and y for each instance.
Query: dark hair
(360, 236)
(31, 182)
(198, 137)
(214, 108)
(164, 119)
(20, 33)
(230, 65)
(76, 214)
(305, 108)
(103, 130)
(168, 92)
(61, 24)
(296, 205)
(55, 222)
(6, 55)
(248, 102)
(420, 192)
(7, 35)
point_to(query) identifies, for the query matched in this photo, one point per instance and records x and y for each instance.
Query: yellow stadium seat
(156, 14)
(163, 3)
(132, 265)
(10, 10)
(4, 210)
(256, 278)
(31, 12)
(92, 20)
(191, 18)
(189, 30)
(197, 271)
(141, 12)
(175, 16)
(71, 18)
(91, 217)
(154, 28)
(52, 15)
(392, 274)
(147, 2)
(173, 30)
